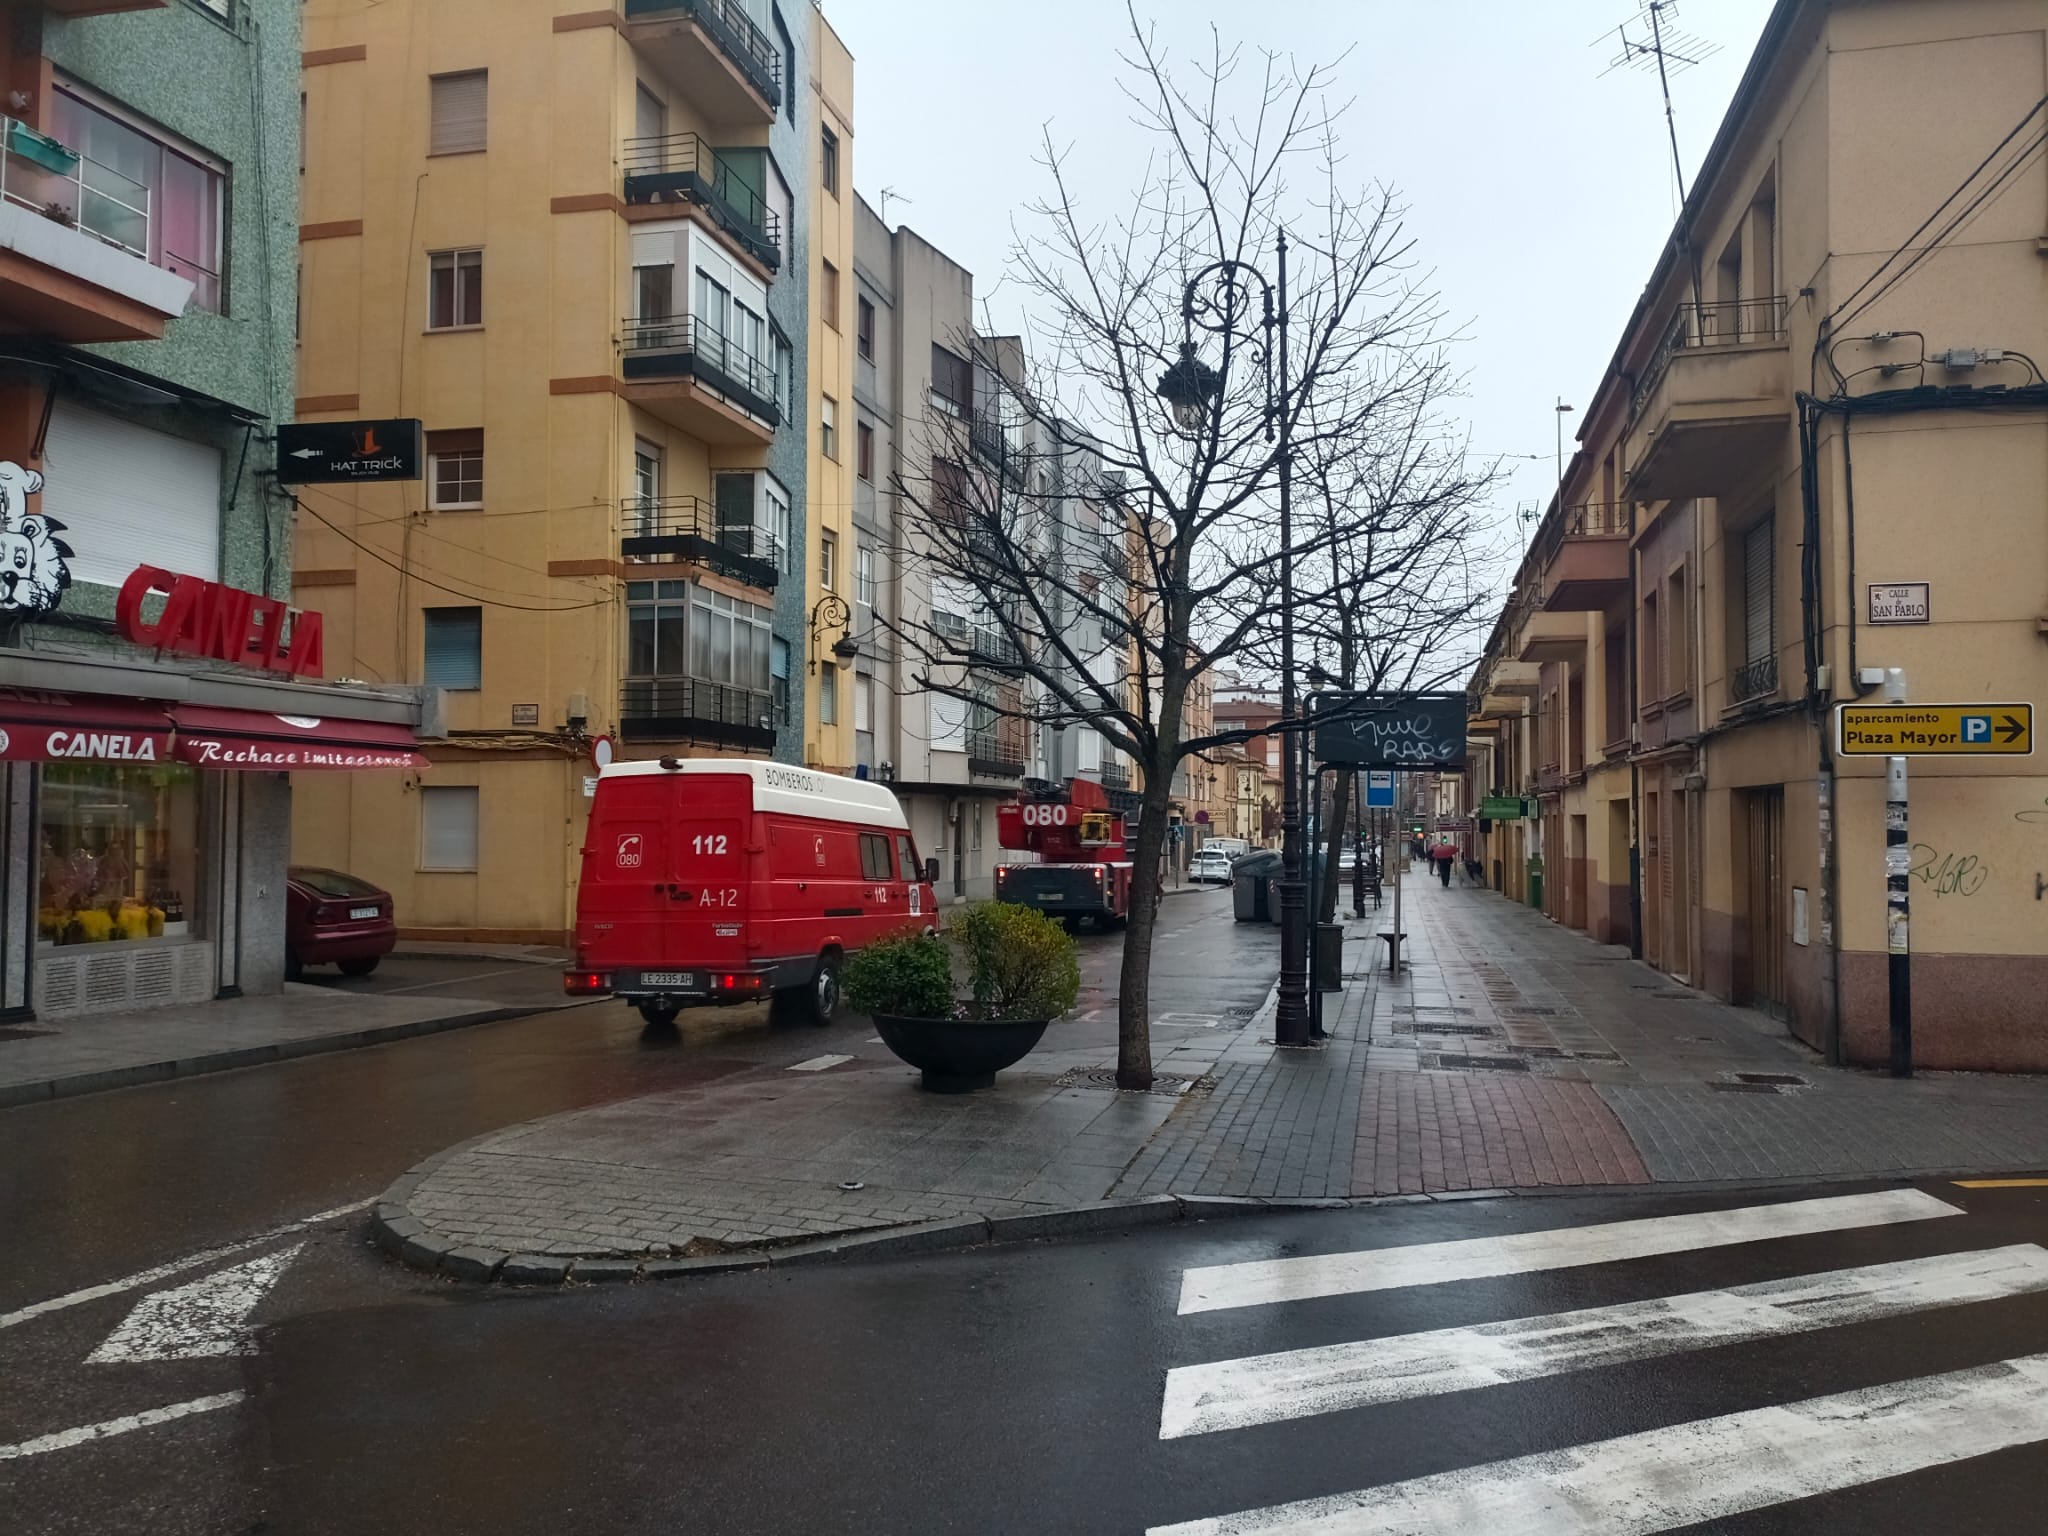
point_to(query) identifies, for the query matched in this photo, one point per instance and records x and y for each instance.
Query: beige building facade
(1818, 454)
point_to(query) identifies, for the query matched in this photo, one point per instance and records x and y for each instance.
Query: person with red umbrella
(1444, 855)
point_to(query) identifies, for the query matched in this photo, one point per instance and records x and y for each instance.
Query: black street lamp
(1191, 390)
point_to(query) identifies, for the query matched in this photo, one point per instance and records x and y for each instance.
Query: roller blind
(448, 823)
(1759, 637)
(460, 115)
(129, 495)
(455, 647)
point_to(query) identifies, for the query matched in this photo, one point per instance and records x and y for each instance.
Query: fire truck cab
(1083, 868)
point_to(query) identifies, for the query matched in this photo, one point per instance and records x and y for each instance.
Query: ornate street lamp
(1189, 388)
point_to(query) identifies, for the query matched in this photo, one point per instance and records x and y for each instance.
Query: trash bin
(1251, 886)
(1536, 883)
(1330, 956)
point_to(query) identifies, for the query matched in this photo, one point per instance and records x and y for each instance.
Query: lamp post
(1191, 390)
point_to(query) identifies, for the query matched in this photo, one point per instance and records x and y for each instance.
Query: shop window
(448, 827)
(119, 855)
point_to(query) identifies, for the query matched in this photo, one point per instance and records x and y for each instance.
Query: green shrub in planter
(910, 975)
(1020, 963)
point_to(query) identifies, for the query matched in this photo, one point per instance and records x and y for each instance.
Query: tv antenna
(886, 196)
(1649, 38)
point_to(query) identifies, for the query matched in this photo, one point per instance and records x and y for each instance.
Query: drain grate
(1452, 1061)
(1432, 1008)
(1726, 1087)
(1534, 1011)
(1169, 1085)
(1445, 1027)
(1772, 1079)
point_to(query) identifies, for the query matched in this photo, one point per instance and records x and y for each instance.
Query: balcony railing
(675, 707)
(735, 32)
(682, 166)
(687, 528)
(1758, 680)
(1115, 776)
(993, 444)
(1698, 326)
(993, 647)
(679, 346)
(996, 750)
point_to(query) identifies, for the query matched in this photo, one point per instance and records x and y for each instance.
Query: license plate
(362, 912)
(668, 978)
(1054, 896)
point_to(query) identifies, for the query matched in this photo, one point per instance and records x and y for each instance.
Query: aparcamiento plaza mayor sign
(1934, 730)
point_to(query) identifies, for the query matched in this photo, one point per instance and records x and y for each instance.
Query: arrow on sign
(307, 453)
(209, 1316)
(2010, 728)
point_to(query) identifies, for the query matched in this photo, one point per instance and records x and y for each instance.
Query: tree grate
(1169, 1085)
(1452, 1061)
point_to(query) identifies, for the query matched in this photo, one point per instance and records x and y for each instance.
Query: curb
(401, 1234)
(560, 962)
(77, 1084)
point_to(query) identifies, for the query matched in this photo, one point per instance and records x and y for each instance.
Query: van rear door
(622, 902)
(710, 870)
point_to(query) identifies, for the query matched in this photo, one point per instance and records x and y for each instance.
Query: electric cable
(402, 569)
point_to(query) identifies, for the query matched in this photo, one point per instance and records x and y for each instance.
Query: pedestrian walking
(1445, 855)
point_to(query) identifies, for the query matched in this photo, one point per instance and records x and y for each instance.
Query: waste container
(1536, 883)
(1330, 956)
(1251, 886)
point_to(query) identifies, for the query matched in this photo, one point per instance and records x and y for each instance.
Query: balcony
(697, 378)
(994, 648)
(684, 168)
(691, 709)
(727, 66)
(1498, 706)
(995, 444)
(1714, 407)
(71, 267)
(687, 528)
(997, 750)
(1115, 776)
(1517, 677)
(1585, 557)
(1755, 682)
(1551, 637)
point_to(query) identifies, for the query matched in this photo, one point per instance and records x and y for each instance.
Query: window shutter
(460, 113)
(1759, 639)
(129, 495)
(448, 827)
(454, 647)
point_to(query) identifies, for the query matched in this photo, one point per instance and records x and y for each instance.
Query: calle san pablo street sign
(1934, 730)
(328, 452)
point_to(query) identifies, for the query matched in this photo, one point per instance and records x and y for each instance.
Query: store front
(147, 838)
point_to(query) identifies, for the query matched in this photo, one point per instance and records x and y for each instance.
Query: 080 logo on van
(629, 851)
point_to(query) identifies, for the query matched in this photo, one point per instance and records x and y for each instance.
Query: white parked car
(1210, 864)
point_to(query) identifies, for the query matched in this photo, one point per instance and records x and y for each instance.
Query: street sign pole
(1898, 870)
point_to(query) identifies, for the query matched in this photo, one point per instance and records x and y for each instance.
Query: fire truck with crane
(1084, 865)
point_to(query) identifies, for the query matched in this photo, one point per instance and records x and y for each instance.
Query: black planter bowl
(959, 1055)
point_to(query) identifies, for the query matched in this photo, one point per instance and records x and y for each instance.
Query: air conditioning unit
(578, 709)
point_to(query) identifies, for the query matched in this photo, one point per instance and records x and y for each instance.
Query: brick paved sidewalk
(1510, 1054)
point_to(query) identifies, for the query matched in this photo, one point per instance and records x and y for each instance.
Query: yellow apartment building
(1820, 452)
(576, 244)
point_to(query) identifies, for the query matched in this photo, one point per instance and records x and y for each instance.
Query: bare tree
(1115, 551)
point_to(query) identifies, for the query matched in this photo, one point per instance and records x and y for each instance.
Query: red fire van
(719, 880)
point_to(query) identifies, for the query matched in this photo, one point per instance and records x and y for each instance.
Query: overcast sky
(1539, 192)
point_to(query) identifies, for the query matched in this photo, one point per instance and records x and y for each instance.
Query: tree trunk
(1326, 901)
(1134, 999)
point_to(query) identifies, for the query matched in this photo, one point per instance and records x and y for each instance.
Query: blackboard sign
(1390, 730)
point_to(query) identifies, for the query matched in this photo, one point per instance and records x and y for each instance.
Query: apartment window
(1650, 650)
(828, 693)
(778, 520)
(864, 450)
(949, 491)
(864, 574)
(134, 188)
(952, 382)
(728, 639)
(455, 290)
(647, 481)
(864, 327)
(783, 361)
(654, 297)
(1759, 631)
(828, 562)
(448, 825)
(657, 628)
(828, 160)
(458, 114)
(828, 293)
(863, 703)
(455, 648)
(828, 427)
(1678, 645)
(455, 471)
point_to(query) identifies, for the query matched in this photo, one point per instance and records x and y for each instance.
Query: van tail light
(737, 983)
(586, 983)
(1002, 873)
(1099, 873)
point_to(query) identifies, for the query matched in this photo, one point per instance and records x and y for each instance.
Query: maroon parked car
(336, 919)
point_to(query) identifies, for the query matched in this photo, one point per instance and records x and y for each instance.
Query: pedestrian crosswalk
(1661, 1478)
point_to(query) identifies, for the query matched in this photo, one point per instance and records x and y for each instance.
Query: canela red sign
(205, 618)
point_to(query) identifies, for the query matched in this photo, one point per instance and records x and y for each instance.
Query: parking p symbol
(1976, 728)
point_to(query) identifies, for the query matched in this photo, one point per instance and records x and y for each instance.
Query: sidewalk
(1511, 1054)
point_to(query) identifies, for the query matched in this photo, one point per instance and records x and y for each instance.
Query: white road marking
(1194, 1020)
(1688, 1474)
(817, 1063)
(1293, 1384)
(64, 1439)
(205, 1317)
(1260, 1282)
(176, 1266)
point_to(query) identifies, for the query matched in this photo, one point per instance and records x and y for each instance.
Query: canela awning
(38, 727)
(247, 740)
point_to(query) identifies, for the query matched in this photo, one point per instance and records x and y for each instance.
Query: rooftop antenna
(885, 197)
(1649, 38)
